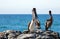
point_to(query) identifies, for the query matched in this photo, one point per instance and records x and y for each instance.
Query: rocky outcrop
(38, 34)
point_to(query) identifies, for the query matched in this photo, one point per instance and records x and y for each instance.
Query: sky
(26, 6)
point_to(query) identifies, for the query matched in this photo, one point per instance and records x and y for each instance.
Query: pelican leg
(50, 28)
(46, 29)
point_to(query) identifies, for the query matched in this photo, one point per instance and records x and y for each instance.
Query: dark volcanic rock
(38, 34)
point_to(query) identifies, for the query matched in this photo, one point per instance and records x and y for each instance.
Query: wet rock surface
(38, 34)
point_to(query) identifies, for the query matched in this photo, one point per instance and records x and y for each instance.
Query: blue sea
(20, 21)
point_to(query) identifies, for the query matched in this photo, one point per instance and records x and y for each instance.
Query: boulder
(11, 36)
(55, 35)
(18, 33)
(38, 37)
(38, 31)
(7, 32)
(47, 37)
(2, 35)
(25, 32)
(26, 36)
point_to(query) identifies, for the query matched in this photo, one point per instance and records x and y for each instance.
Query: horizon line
(16, 13)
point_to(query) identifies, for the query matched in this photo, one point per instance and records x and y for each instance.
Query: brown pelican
(35, 17)
(35, 22)
(49, 21)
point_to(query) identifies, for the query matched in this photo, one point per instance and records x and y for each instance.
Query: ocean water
(20, 21)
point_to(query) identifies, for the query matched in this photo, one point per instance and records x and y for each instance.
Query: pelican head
(50, 12)
(34, 14)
